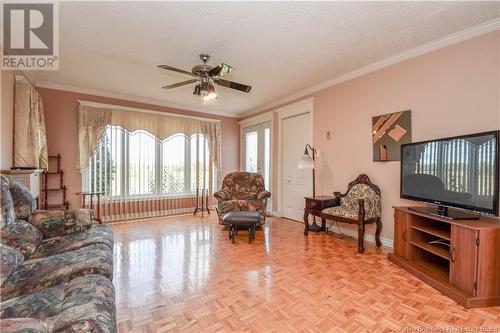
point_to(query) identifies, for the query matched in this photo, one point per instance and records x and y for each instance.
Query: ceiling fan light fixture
(207, 93)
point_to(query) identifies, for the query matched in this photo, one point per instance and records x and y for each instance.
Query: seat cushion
(85, 304)
(54, 223)
(97, 234)
(24, 203)
(7, 214)
(21, 236)
(23, 325)
(342, 211)
(88, 306)
(242, 217)
(239, 205)
(37, 274)
(42, 304)
(10, 260)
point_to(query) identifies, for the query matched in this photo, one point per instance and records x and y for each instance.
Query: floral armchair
(360, 205)
(242, 191)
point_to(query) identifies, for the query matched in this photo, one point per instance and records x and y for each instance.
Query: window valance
(93, 120)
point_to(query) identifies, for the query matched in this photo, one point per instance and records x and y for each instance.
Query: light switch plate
(328, 135)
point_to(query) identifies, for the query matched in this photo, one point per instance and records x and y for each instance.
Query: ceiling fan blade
(233, 85)
(220, 70)
(179, 84)
(170, 68)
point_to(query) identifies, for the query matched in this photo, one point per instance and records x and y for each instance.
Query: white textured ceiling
(278, 48)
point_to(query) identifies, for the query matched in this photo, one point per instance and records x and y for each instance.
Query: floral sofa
(55, 268)
(242, 191)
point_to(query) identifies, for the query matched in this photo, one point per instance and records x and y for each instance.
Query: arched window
(137, 164)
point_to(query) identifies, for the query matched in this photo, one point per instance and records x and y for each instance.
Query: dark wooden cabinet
(460, 258)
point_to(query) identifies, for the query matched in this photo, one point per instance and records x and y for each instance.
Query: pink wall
(451, 91)
(61, 116)
(7, 118)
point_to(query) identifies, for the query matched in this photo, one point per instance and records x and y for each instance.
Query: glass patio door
(257, 151)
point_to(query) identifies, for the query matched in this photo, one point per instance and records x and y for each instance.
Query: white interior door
(296, 183)
(257, 152)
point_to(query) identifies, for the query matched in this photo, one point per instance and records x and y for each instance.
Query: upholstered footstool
(235, 220)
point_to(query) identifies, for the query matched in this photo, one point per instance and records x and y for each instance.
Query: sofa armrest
(54, 223)
(263, 195)
(222, 195)
(16, 325)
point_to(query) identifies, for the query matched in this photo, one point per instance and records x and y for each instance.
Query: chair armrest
(222, 195)
(54, 223)
(263, 195)
(361, 209)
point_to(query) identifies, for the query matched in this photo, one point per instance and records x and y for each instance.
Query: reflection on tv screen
(459, 171)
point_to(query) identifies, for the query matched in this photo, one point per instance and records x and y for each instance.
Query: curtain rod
(128, 108)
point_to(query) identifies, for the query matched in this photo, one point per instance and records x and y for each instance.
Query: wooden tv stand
(467, 271)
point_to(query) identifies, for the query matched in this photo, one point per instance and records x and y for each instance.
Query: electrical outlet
(328, 135)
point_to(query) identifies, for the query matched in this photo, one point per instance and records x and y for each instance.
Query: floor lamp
(307, 163)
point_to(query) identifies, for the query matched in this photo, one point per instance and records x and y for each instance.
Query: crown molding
(152, 101)
(448, 40)
(260, 118)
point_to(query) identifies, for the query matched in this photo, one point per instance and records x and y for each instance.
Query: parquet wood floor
(182, 274)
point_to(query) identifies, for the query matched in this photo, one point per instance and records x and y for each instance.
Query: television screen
(459, 172)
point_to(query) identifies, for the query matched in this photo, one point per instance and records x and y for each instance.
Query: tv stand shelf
(460, 258)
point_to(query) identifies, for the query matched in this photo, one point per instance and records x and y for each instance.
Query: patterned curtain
(30, 142)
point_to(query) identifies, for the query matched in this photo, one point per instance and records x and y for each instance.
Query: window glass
(173, 168)
(142, 163)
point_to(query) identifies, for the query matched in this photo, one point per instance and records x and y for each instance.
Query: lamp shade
(306, 162)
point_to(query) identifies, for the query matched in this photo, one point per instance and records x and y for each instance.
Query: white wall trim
(451, 39)
(254, 121)
(152, 101)
(291, 109)
(258, 119)
(298, 108)
(368, 237)
(127, 108)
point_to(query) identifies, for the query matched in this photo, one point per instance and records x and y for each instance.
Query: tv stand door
(463, 259)
(402, 234)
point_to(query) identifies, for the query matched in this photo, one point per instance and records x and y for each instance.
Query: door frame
(296, 109)
(253, 121)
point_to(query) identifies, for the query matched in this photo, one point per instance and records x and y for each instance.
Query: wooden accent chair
(360, 205)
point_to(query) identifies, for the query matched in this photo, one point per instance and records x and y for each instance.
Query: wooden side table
(314, 206)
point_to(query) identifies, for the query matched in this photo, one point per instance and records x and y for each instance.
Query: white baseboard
(354, 233)
(368, 237)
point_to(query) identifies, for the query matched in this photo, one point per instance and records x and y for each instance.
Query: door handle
(452, 255)
(404, 236)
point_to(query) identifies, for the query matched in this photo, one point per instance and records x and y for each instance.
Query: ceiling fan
(205, 77)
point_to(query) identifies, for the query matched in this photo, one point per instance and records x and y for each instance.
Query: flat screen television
(459, 172)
